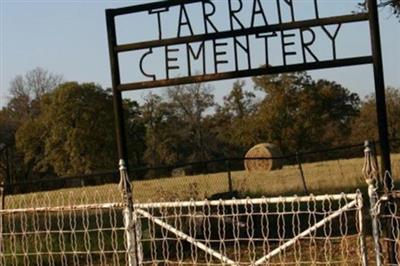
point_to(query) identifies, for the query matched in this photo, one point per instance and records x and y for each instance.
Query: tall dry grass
(333, 176)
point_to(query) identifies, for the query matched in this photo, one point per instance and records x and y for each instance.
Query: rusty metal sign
(225, 50)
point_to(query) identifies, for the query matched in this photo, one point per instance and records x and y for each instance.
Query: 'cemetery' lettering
(204, 38)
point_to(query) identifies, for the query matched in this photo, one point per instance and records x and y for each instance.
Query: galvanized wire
(71, 229)
(387, 214)
(283, 230)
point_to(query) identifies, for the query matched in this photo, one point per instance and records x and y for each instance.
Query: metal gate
(284, 230)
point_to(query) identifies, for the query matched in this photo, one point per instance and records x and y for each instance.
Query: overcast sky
(69, 38)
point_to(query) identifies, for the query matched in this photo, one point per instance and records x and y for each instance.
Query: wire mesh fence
(389, 228)
(386, 212)
(63, 227)
(78, 236)
(284, 230)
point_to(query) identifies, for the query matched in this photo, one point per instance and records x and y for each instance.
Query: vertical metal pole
(371, 173)
(138, 234)
(3, 194)
(381, 112)
(130, 237)
(130, 219)
(379, 90)
(228, 169)
(373, 196)
(125, 185)
(363, 247)
(303, 180)
(116, 81)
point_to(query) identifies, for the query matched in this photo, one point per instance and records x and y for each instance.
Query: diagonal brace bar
(186, 237)
(306, 232)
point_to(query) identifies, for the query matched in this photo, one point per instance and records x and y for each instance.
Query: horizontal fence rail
(264, 200)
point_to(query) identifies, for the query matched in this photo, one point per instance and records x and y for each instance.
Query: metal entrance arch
(211, 33)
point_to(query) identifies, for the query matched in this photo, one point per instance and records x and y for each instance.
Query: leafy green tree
(159, 134)
(176, 125)
(238, 103)
(365, 125)
(189, 105)
(232, 122)
(393, 109)
(7, 150)
(135, 132)
(23, 106)
(300, 113)
(73, 132)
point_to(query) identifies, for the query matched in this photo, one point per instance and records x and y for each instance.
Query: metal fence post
(2, 194)
(371, 172)
(130, 218)
(363, 247)
(303, 180)
(228, 169)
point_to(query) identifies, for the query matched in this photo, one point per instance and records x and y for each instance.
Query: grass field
(335, 176)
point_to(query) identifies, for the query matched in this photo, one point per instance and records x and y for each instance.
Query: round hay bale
(266, 150)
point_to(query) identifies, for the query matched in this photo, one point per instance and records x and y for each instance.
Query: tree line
(55, 127)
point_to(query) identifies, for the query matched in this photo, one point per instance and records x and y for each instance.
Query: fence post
(228, 169)
(371, 172)
(130, 218)
(363, 247)
(303, 180)
(2, 194)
